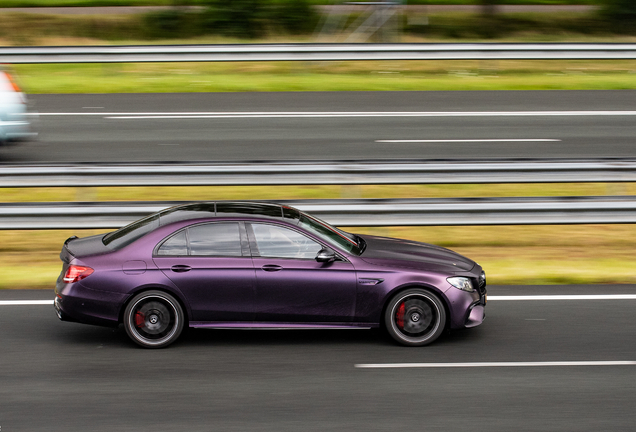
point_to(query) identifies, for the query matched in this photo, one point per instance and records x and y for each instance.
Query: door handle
(271, 267)
(180, 268)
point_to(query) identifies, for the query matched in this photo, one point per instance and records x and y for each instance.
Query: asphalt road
(330, 126)
(57, 376)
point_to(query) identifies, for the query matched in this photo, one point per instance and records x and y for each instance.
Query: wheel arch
(433, 290)
(156, 287)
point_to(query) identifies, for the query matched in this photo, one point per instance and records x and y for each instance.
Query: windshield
(128, 234)
(330, 234)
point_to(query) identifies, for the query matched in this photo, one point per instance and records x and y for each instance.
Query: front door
(291, 286)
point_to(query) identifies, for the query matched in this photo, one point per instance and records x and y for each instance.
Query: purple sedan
(262, 265)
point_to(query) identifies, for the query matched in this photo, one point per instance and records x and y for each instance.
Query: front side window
(215, 239)
(329, 233)
(274, 241)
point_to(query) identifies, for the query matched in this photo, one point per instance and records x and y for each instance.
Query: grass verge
(509, 254)
(332, 76)
(210, 193)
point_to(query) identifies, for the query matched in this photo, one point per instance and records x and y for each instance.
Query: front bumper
(477, 311)
(476, 316)
(467, 308)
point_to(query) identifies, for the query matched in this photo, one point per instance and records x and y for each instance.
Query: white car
(14, 120)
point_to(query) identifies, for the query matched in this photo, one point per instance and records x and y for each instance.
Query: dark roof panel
(248, 208)
(226, 208)
(187, 211)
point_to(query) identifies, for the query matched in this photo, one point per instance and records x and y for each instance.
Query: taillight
(75, 273)
(14, 85)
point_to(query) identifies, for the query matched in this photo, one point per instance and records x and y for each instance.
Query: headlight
(461, 283)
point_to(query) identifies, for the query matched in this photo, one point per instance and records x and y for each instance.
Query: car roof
(227, 209)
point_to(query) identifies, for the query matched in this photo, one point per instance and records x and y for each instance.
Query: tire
(153, 319)
(415, 317)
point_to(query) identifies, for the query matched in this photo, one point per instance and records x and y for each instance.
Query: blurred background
(69, 105)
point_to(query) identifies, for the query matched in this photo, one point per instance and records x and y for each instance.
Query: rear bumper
(18, 128)
(76, 303)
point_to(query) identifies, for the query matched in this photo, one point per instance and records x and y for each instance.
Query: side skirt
(281, 326)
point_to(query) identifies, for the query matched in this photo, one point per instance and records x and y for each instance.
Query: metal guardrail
(317, 52)
(394, 212)
(342, 173)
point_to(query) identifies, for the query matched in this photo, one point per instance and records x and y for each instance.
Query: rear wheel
(415, 317)
(153, 319)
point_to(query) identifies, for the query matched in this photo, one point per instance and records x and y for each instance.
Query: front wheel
(153, 319)
(415, 317)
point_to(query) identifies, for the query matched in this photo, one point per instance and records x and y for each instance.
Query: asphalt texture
(59, 376)
(333, 131)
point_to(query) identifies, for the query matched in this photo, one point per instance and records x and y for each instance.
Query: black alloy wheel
(153, 319)
(415, 317)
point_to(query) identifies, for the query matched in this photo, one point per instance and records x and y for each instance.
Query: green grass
(351, 76)
(202, 193)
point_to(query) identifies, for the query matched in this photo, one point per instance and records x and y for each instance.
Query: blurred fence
(319, 173)
(345, 212)
(317, 52)
(342, 212)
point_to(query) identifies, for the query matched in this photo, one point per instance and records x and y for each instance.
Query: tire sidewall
(403, 339)
(164, 297)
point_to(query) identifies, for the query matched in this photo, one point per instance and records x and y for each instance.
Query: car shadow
(223, 337)
(87, 335)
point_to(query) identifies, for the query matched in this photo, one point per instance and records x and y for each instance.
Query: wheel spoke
(154, 320)
(416, 318)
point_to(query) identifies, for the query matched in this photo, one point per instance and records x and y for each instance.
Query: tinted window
(216, 239)
(128, 234)
(329, 233)
(188, 211)
(175, 245)
(290, 213)
(249, 208)
(275, 241)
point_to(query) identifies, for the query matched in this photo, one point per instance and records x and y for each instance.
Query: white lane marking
(565, 297)
(493, 364)
(25, 302)
(324, 114)
(468, 140)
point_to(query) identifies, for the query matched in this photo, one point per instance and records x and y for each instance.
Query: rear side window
(175, 245)
(220, 239)
(128, 234)
(215, 239)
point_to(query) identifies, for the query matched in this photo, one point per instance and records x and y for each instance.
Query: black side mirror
(326, 256)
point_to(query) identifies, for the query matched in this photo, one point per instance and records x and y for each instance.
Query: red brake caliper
(399, 316)
(140, 320)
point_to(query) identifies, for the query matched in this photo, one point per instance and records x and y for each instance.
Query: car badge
(370, 281)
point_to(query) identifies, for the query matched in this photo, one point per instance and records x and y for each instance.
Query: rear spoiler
(65, 254)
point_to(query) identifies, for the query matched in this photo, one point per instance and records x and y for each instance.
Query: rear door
(210, 264)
